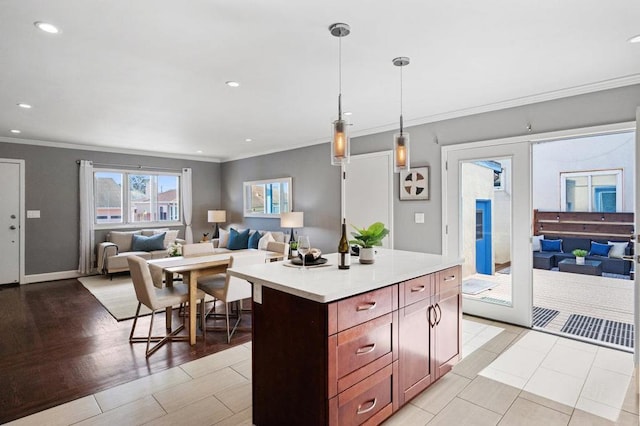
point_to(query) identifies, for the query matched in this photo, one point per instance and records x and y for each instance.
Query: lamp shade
(216, 216)
(292, 220)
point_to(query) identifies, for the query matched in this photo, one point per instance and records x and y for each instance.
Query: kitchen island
(344, 347)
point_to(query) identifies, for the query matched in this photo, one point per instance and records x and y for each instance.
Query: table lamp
(216, 216)
(292, 220)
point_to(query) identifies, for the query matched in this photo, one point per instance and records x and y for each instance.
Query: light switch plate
(33, 214)
(419, 217)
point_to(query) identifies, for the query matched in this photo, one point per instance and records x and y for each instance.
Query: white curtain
(187, 204)
(87, 236)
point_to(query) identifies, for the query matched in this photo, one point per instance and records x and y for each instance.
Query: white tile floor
(525, 377)
(591, 378)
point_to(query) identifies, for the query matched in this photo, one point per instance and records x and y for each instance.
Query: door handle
(12, 227)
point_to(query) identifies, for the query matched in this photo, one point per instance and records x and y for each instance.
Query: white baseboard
(51, 276)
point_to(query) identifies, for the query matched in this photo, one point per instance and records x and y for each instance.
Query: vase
(367, 255)
(579, 260)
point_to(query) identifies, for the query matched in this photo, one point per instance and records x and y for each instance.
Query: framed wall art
(414, 184)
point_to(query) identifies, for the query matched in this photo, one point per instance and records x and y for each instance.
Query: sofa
(238, 239)
(549, 251)
(146, 243)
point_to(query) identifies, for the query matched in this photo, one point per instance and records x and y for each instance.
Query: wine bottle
(344, 258)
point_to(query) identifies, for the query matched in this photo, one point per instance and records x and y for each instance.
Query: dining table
(191, 268)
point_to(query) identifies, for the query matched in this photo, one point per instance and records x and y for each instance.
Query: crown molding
(97, 148)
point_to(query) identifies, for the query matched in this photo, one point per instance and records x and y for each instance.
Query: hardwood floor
(58, 343)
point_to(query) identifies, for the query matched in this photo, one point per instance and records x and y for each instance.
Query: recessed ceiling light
(46, 27)
(634, 39)
(248, 140)
(348, 113)
(232, 83)
(25, 106)
(199, 151)
(16, 131)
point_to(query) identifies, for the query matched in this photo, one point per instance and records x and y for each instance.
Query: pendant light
(340, 145)
(401, 140)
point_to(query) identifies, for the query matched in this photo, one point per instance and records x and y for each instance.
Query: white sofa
(220, 244)
(113, 253)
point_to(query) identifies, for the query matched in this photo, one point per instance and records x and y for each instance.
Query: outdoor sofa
(554, 250)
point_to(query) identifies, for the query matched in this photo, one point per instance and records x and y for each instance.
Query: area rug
(475, 286)
(117, 295)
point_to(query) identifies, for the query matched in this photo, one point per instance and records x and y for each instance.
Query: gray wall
(51, 180)
(316, 191)
(317, 184)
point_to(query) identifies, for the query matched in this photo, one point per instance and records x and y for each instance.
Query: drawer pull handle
(450, 278)
(366, 349)
(372, 404)
(366, 306)
(419, 289)
(439, 316)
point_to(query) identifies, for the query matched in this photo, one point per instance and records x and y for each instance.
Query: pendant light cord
(401, 99)
(340, 78)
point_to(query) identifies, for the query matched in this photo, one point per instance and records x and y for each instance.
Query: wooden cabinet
(429, 330)
(448, 310)
(354, 361)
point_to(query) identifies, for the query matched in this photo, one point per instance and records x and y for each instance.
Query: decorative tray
(319, 261)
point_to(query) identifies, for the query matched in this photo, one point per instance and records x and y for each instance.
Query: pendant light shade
(340, 144)
(401, 139)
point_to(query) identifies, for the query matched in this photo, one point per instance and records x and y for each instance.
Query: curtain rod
(129, 166)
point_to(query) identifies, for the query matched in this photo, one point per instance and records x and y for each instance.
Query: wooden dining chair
(155, 299)
(229, 289)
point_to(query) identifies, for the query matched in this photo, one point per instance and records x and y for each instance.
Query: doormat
(613, 332)
(475, 286)
(543, 316)
(618, 333)
(583, 326)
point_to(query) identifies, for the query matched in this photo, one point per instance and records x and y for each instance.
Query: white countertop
(327, 283)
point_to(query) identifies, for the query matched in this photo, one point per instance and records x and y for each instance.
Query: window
(267, 198)
(597, 191)
(123, 197)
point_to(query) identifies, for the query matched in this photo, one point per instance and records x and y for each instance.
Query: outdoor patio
(582, 306)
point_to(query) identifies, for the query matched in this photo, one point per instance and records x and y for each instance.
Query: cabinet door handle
(429, 309)
(366, 306)
(450, 278)
(439, 315)
(418, 289)
(366, 349)
(372, 403)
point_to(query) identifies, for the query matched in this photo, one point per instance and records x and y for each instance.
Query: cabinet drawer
(358, 309)
(448, 280)
(360, 345)
(359, 403)
(417, 289)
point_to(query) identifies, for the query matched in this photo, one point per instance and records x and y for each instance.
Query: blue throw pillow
(238, 240)
(551, 245)
(142, 243)
(598, 249)
(254, 239)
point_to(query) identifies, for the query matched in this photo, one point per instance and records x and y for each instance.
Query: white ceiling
(150, 74)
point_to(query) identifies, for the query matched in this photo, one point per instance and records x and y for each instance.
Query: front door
(10, 222)
(484, 256)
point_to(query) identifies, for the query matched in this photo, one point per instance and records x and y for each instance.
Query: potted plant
(293, 245)
(580, 255)
(367, 239)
